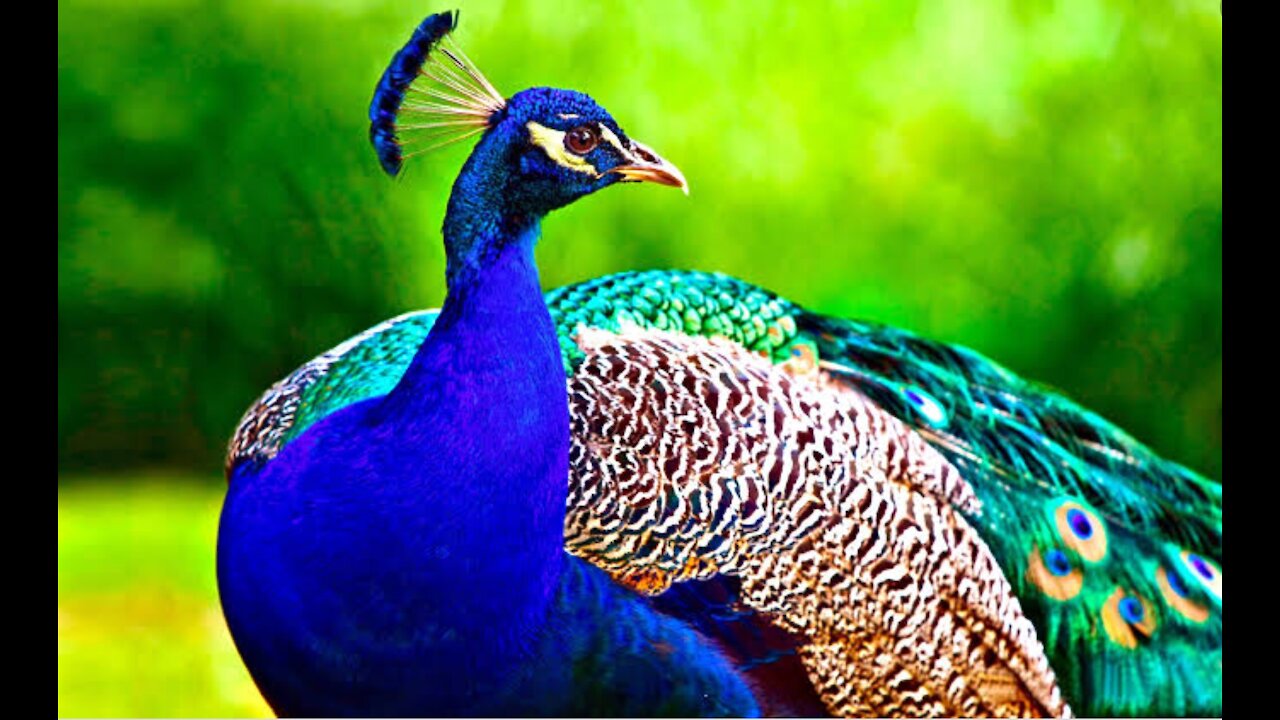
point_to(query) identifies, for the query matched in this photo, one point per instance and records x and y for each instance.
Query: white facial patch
(607, 135)
(552, 143)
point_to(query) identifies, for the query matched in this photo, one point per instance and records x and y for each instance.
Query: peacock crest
(430, 96)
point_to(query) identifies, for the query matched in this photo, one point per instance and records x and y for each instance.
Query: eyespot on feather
(925, 404)
(1204, 570)
(1081, 530)
(802, 360)
(1053, 574)
(1127, 618)
(1175, 596)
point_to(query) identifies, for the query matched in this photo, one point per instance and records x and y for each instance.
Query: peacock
(676, 493)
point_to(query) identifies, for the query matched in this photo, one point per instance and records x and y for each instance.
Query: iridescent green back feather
(1130, 617)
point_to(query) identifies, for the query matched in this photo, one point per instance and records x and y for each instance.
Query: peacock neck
(483, 220)
(482, 412)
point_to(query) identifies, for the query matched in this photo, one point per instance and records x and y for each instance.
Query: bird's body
(1175, 671)
(677, 493)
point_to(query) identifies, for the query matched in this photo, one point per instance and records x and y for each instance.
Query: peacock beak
(647, 166)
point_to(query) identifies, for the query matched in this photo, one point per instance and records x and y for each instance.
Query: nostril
(646, 155)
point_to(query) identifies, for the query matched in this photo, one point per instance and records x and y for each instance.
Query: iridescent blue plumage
(393, 559)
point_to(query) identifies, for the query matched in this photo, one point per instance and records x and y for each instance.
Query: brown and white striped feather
(693, 457)
(262, 429)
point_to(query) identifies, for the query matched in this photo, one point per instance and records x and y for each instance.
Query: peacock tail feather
(908, 525)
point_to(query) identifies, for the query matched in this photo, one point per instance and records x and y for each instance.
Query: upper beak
(647, 166)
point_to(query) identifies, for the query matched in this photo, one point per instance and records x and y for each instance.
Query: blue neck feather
(437, 510)
(485, 214)
(484, 405)
(486, 394)
(404, 555)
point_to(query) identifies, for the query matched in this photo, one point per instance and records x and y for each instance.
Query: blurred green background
(1039, 180)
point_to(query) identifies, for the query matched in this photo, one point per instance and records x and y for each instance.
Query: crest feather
(426, 100)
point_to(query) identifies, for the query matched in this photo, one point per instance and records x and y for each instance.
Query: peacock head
(541, 149)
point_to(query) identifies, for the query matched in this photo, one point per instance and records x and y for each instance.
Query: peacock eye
(582, 139)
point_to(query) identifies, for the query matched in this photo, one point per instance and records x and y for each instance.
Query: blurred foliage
(140, 631)
(1038, 180)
